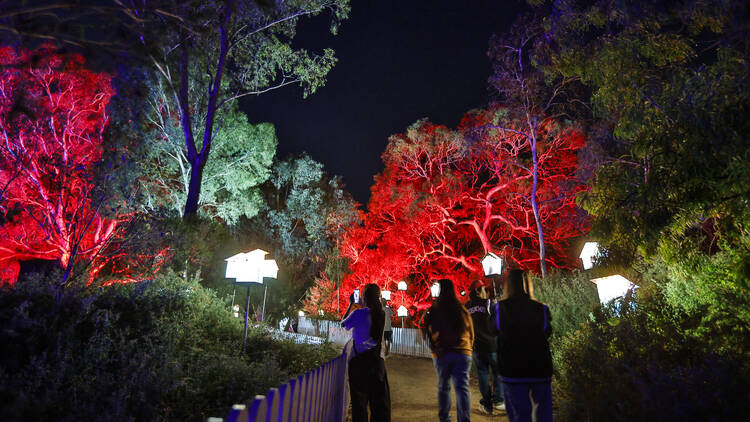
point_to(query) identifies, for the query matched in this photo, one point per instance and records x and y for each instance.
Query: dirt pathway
(414, 392)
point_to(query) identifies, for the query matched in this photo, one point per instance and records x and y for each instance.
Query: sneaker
(499, 406)
(485, 410)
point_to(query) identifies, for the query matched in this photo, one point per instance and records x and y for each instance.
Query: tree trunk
(534, 204)
(194, 189)
(198, 159)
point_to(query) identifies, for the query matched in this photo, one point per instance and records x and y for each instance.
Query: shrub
(636, 362)
(161, 350)
(571, 297)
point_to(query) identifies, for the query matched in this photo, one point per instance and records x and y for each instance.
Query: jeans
(484, 363)
(527, 402)
(368, 385)
(453, 366)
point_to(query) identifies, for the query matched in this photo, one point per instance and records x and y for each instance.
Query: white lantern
(589, 252)
(612, 287)
(492, 264)
(402, 285)
(386, 294)
(402, 311)
(251, 267)
(435, 290)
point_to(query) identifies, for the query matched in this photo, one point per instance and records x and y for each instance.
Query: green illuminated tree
(242, 157)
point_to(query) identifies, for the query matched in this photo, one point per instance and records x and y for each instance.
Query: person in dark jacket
(451, 334)
(485, 348)
(525, 361)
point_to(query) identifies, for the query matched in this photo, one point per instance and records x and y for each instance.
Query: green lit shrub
(637, 362)
(571, 297)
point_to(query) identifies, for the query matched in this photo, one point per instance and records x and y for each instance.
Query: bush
(162, 350)
(571, 297)
(636, 362)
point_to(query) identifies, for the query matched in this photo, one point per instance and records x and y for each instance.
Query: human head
(478, 290)
(447, 292)
(516, 284)
(372, 296)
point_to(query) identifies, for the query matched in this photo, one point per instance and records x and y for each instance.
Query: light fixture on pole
(493, 267)
(589, 253)
(492, 264)
(402, 312)
(386, 294)
(435, 290)
(612, 287)
(247, 268)
(401, 309)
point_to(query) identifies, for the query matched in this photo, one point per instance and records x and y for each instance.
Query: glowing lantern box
(435, 290)
(612, 287)
(402, 311)
(492, 264)
(251, 267)
(589, 252)
(386, 294)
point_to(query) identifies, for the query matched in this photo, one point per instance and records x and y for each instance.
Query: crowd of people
(505, 339)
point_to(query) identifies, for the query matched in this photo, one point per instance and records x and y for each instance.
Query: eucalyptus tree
(209, 53)
(305, 214)
(241, 160)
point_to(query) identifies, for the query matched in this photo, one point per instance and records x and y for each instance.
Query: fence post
(238, 413)
(258, 409)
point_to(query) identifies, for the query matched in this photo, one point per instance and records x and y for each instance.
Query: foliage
(306, 212)
(220, 51)
(635, 361)
(242, 156)
(446, 198)
(669, 80)
(162, 350)
(52, 117)
(571, 297)
(668, 154)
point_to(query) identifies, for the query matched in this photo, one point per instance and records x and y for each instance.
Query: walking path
(413, 384)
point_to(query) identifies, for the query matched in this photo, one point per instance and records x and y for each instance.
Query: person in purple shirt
(368, 381)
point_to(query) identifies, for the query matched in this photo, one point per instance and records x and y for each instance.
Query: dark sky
(399, 61)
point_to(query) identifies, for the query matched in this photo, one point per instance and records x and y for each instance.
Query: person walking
(485, 349)
(388, 330)
(368, 381)
(451, 333)
(525, 361)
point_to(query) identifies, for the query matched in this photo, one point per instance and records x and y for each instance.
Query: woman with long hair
(451, 333)
(524, 358)
(368, 381)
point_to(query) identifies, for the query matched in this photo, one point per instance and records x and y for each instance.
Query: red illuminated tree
(52, 117)
(446, 198)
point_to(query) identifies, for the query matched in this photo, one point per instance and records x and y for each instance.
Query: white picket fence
(406, 341)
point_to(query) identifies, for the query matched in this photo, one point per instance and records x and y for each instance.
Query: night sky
(399, 61)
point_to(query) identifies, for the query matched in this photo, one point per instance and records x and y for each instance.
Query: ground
(414, 392)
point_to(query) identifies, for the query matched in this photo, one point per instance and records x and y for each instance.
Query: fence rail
(319, 395)
(406, 341)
